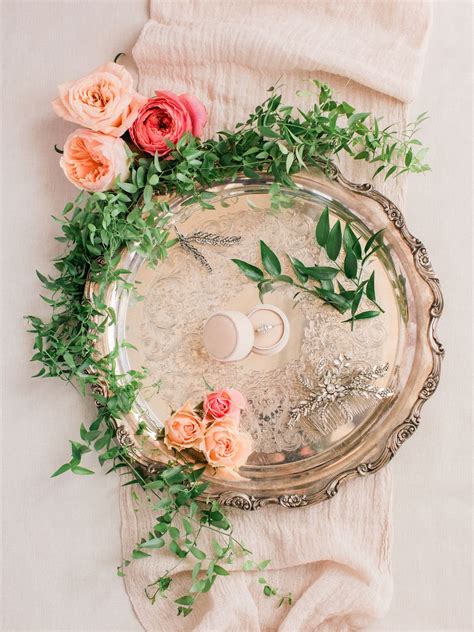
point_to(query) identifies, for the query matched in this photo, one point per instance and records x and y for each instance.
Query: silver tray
(290, 466)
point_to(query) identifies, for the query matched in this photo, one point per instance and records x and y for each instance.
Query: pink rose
(225, 403)
(103, 101)
(185, 429)
(225, 446)
(167, 116)
(92, 161)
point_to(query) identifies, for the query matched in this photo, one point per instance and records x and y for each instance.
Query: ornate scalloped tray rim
(403, 430)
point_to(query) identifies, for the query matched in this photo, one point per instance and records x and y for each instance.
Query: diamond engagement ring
(262, 329)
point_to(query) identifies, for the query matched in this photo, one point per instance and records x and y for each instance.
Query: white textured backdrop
(61, 537)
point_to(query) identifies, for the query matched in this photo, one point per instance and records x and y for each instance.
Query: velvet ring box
(230, 336)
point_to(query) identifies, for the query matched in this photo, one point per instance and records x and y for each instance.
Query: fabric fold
(379, 44)
(334, 557)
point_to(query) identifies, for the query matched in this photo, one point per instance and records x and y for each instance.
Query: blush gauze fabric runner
(335, 556)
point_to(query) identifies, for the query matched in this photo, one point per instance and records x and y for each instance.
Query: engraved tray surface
(297, 465)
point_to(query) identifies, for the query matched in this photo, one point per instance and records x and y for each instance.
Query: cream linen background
(335, 557)
(61, 537)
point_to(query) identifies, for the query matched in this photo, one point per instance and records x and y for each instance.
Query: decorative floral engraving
(252, 503)
(429, 387)
(293, 500)
(241, 501)
(172, 339)
(123, 437)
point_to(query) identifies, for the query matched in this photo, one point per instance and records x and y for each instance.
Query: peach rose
(227, 402)
(225, 446)
(185, 429)
(92, 161)
(103, 101)
(167, 116)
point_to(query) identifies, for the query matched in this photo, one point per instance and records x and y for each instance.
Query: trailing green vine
(276, 140)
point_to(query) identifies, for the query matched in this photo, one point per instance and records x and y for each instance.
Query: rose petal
(92, 161)
(197, 112)
(103, 101)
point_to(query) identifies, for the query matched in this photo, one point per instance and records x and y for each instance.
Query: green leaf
(378, 170)
(176, 549)
(83, 432)
(390, 172)
(163, 503)
(283, 278)
(198, 586)
(363, 316)
(370, 288)
(266, 131)
(320, 273)
(78, 449)
(137, 554)
(356, 300)
(367, 314)
(322, 228)
(174, 533)
(220, 571)
(200, 555)
(161, 527)
(357, 117)
(128, 187)
(154, 543)
(341, 303)
(373, 239)
(64, 468)
(251, 272)
(327, 284)
(186, 600)
(77, 469)
(147, 193)
(171, 472)
(298, 267)
(263, 288)
(250, 173)
(333, 246)
(218, 550)
(350, 264)
(102, 442)
(158, 484)
(184, 178)
(270, 261)
(156, 162)
(69, 360)
(140, 177)
(352, 242)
